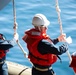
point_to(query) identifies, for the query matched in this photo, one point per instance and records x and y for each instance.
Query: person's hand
(16, 36)
(63, 48)
(62, 38)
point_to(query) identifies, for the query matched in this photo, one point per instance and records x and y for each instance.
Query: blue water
(25, 10)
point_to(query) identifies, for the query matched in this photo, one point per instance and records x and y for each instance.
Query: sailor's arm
(7, 44)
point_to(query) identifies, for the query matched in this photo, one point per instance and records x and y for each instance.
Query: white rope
(60, 23)
(59, 18)
(15, 28)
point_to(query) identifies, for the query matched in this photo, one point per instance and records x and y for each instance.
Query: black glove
(63, 48)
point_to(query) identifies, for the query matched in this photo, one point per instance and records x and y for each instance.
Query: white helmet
(40, 19)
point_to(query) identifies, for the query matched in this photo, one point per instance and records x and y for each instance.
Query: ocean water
(25, 10)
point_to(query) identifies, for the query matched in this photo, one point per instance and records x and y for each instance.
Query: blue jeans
(3, 69)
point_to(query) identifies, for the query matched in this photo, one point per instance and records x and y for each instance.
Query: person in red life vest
(5, 45)
(42, 52)
(73, 62)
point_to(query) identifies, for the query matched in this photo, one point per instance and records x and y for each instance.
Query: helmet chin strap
(39, 28)
(42, 29)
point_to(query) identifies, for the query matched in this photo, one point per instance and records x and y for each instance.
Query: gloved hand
(62, 38)
(16, 36)
(63, 48)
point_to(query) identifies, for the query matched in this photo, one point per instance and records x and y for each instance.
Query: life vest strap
(59, 58)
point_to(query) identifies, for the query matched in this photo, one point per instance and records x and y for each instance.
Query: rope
(15, 28)
(59, 18)
(60, 23)
(14, 14)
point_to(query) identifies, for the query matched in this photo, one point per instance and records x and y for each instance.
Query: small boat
(18, 69)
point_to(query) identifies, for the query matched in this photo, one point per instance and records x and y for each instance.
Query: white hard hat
(40, 19)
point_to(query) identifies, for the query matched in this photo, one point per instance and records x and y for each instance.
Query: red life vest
(32, 40)
(2, 53)
(73, 62)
